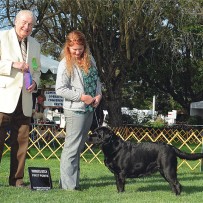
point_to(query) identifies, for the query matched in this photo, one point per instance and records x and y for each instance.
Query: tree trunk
(114, 112)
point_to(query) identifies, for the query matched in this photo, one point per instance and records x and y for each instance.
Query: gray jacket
(71, 87)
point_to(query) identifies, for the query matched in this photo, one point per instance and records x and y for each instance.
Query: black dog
(128, 160)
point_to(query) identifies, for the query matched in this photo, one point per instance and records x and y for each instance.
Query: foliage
(156, 45)
(157, 123)
(47, 79)
(195, 120)
(127, 119)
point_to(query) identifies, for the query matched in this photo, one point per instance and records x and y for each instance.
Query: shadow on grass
(104, 181)
(97, 182)
(153, 183)
(156, 188)
(190, 176)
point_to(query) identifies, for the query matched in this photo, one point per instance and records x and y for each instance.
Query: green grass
(98, 186)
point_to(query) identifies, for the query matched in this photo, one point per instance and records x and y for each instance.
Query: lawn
(98, 186)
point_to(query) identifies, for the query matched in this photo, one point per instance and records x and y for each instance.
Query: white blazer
(11, 79)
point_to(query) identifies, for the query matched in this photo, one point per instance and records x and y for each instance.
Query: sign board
(52, 99)
(40, 178)
(172, 114)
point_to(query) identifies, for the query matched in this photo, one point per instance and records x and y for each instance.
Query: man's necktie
(27, 75)
(23, 49)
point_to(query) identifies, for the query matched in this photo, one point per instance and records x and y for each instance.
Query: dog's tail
(188, 156)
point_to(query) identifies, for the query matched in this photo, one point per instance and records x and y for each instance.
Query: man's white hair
(26, 12)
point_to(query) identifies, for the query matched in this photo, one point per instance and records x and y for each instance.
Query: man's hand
(32, 87)
(22, 66)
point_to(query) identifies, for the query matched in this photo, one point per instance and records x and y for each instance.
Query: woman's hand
(87, 99)
(97, 100)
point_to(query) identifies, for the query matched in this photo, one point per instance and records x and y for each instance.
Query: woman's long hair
(76, 37)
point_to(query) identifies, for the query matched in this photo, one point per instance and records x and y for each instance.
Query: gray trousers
(77, 128)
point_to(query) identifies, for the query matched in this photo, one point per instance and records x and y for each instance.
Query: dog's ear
(104, 132)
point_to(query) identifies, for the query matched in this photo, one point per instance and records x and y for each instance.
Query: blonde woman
(78, 83)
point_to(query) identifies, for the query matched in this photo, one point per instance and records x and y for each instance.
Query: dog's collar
(110, 141)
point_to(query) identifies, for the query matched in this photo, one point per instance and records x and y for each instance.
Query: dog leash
(96, 117)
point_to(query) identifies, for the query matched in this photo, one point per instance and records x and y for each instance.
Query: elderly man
(19, 57)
